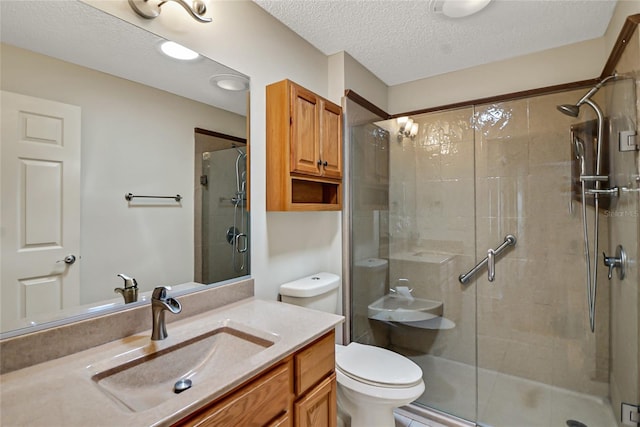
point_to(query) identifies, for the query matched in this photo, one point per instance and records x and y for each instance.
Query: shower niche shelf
(304, 146)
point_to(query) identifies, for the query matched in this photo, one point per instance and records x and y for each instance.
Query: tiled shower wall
(470, 177)
(623, 219)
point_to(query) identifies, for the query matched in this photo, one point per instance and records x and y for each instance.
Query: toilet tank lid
(311, 286)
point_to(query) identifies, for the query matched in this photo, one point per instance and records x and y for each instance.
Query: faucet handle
(618, 261)
(129, 282)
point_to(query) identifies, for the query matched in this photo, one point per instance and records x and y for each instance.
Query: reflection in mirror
(91, 111)
(220, 207)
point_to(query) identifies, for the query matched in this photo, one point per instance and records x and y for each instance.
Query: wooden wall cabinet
(300, 391)
(304, 150)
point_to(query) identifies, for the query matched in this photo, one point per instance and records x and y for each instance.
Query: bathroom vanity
(298, 391)
(251, 362)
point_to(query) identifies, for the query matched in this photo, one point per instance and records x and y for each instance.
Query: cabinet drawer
(314, 363)
(256, 404)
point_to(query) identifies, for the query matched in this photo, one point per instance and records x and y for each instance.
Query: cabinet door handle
(319, 162)
(325, 164)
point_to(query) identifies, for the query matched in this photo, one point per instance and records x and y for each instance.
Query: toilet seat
(377, 366)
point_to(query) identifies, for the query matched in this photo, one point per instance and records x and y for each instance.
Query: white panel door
(39, 207)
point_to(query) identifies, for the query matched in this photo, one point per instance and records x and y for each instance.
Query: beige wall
(364, 83)
(580, 61)
(347, 73)
(119, 130)
(624, 225)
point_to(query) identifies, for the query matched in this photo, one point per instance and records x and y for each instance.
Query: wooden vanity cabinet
(304, 150)
(258, 403)
(300, 391)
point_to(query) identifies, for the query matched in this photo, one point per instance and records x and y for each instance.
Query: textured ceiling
(401, 40)
(78, 33)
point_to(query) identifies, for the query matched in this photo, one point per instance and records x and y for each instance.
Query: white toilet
(372, 381)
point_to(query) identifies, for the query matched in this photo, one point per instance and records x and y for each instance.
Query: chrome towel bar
(128, 197)
(489, 260)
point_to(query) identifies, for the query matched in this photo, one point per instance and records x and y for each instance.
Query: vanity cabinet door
(259, 403)
(318, 407)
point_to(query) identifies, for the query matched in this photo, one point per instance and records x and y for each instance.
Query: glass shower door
(432, 240)
(413, 228)
(539, 364)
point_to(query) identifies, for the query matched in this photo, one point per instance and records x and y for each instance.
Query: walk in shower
(424, 209)
(222, 217)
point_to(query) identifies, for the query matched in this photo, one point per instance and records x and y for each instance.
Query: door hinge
(630, 415)
(628, 141)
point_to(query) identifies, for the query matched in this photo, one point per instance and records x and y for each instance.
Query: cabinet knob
(319, 162)
(325, 164)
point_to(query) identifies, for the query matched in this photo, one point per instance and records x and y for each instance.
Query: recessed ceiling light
(177, 51)
(458, 8)
(232, 82)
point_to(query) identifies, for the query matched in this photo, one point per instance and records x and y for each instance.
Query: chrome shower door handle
(491, 265)
(246, 244)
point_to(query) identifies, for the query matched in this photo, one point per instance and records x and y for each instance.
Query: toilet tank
(371, 276)
(318, 291)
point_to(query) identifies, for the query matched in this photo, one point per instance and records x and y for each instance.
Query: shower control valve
(619, 261)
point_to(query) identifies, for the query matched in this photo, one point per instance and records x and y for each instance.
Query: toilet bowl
(372, 381)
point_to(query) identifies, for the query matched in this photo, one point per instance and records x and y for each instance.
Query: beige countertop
(61, 392)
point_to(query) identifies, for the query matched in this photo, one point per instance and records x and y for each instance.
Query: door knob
(69, 259)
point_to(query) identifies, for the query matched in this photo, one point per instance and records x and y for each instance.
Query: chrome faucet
(130, 290)
(159, 303)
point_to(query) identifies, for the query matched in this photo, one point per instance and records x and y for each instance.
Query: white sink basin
(145, 377)
(397, 308)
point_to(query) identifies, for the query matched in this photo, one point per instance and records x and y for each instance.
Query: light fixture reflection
(230, 82)
(407, 128)
(458, 8)
(177, 51)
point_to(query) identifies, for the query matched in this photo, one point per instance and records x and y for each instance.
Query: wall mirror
(92, 111)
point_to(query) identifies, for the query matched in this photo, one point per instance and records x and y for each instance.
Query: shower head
(574, 110)
(569, 110)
